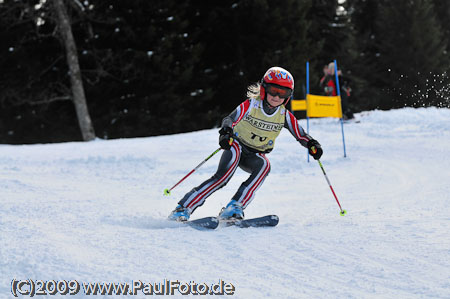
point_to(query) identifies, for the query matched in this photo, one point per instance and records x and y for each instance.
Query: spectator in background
(329, 88)
(325, 73)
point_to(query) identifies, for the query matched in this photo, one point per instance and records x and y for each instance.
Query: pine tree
(144, 63)
(442, 8)
(412, 53)
(78, 94)
(333, 35)
(35, 96)
(366, 64)
(243, 39)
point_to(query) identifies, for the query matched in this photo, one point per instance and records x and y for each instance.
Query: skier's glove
(226, 133)
(315, 149)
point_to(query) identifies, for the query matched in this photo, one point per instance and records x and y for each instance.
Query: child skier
(246, 136)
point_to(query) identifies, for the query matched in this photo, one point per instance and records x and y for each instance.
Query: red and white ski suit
(244, 155)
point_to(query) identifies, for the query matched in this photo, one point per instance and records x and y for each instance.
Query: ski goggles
(275, 90)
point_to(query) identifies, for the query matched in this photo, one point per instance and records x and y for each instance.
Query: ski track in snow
(94, 212)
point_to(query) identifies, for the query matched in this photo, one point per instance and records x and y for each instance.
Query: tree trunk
(79, 98)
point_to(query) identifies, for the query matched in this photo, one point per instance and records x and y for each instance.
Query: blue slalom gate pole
(339, 94)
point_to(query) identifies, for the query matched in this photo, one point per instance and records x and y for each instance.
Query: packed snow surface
(95, 212)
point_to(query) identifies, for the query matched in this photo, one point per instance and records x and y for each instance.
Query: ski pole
(167, 191)
(343, 212)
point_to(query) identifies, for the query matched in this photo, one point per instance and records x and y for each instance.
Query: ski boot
(232, 211)
(180, 214)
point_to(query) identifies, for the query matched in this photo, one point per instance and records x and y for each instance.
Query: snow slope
(94, 212)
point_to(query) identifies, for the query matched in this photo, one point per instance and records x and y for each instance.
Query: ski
(203, 223)
(264, 221)
(210, 223)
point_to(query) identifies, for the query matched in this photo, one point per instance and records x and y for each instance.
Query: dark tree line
(163, 67)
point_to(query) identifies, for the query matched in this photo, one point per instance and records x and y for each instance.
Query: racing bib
(259, 130)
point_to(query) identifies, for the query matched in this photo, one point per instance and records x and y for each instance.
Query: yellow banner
(323, 106)
(298, 105)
